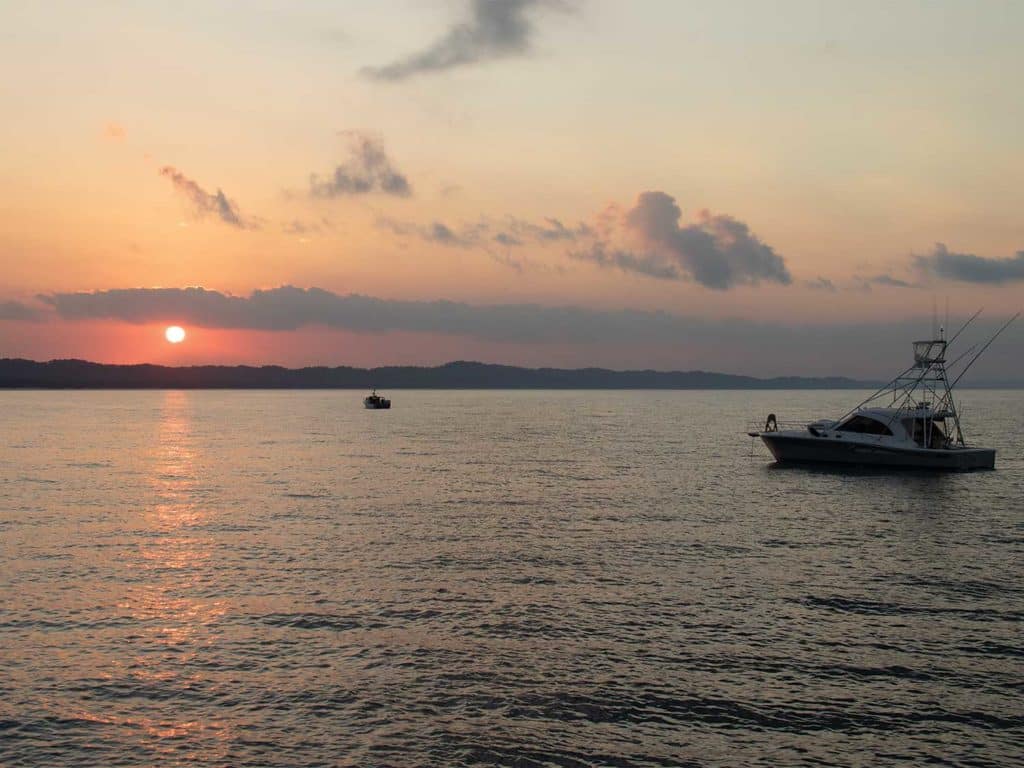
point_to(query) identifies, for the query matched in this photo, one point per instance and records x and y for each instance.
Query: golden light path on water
(178, 625)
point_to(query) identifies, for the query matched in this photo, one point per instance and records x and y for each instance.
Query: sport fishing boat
(912, 422)
(376, 402)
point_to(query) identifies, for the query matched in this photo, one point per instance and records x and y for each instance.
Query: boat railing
(774, 425)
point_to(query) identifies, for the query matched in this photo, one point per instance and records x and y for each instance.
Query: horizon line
(726, 380)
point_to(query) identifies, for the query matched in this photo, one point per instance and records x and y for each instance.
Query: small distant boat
(376, 402)
(918, 428)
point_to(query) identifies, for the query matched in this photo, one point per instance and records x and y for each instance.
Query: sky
(757, 188)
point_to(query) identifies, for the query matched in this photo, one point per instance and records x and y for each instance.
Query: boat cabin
(922, 426)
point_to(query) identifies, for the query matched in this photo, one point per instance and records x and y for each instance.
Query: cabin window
(864, 426)
(916, 428)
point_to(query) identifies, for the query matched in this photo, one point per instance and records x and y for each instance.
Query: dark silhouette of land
(80, 374)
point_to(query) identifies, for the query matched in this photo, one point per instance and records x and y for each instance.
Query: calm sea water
(496, 578)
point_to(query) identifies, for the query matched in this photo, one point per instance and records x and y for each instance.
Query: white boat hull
(794, 447)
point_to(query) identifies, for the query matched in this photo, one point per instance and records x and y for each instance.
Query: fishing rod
(980, 351)
(962, 355)
(891, 383)
(962, 327)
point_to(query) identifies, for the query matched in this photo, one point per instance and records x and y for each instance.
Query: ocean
(516, 578)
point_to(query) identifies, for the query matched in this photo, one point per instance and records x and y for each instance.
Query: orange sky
(843, 143)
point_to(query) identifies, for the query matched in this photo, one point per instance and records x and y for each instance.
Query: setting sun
(175, 334)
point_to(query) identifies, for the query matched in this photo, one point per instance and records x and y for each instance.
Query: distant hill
(80, 374)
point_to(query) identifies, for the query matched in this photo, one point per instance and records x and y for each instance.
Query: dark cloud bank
(15, 310)
(496, 29)
(288, 308)
(742, 346)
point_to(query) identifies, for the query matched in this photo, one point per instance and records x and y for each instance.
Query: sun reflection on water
(178, 624)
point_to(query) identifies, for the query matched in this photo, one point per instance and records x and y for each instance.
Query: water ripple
(488, 578)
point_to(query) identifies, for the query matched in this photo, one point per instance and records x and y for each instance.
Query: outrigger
(919, 426)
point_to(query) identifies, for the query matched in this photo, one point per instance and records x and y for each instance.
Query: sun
(175, 334)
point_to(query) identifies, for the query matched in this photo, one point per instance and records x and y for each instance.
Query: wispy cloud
(368, 169)
(510, 241)
(821, 284)
(436, 232)
(483, 233)
(441, 233)
(967, 267)
(887, 280)
(648, 264)
(856, 283)
(717, 251)
(496, 29)
(519, 232)
(206, 203)
(301, 227)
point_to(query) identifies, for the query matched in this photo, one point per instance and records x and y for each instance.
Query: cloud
(717, 251)
(514, 234)
(508, 261)
(821, 284)
(368, 170)
(436, 232)
(648, 264)
(857, 283)
(114, 132)
(888, 280)
(300, 227)
(496, 29)
(206, 203)
(967, 267)
(15, 310)
(504, 238)
(552, 230)
(440, 233)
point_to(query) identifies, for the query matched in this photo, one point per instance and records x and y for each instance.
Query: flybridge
(928, 353)
(923, 391)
